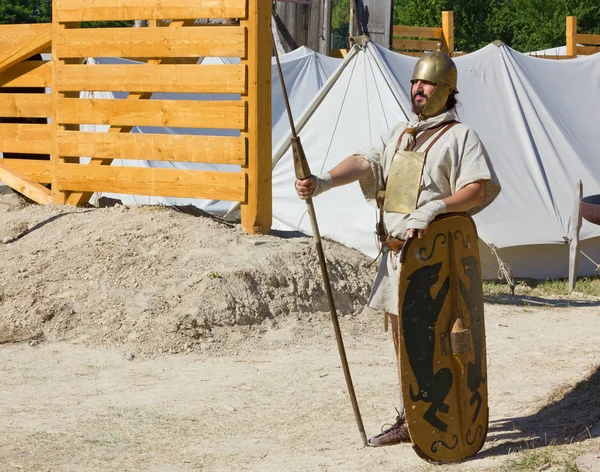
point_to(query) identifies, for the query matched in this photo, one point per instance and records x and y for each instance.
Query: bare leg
(396, 339)
(397, 432)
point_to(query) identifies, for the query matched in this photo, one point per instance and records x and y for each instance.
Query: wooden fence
(580, 44)
(169, 50)
(418, 40)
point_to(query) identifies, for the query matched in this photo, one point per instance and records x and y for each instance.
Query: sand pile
(156, 280)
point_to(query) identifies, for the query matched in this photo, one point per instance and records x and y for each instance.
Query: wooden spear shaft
(302, 172)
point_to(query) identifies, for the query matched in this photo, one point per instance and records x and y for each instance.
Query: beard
(417, 108)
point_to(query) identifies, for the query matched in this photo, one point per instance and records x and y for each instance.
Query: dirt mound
(154, 280)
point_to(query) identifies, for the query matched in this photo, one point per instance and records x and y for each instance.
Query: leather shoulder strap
(422, 137)
(449, 125)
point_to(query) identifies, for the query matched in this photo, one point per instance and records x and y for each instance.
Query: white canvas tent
(537, 118)
(556, 51)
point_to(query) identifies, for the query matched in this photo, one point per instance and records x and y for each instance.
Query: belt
(393, 244)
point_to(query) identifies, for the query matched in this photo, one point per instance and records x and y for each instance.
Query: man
(418, 170)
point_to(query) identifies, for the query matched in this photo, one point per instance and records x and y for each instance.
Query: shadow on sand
(528, 300)
(37, 226)
(572, 417)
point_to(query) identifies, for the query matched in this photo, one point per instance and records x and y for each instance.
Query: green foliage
(524, 25)
(40, 11)
(528, 25)
(340, 17)
(25, 11)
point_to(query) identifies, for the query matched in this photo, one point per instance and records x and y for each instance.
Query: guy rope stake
(302, 172)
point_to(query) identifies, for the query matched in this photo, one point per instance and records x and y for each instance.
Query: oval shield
(442, 339)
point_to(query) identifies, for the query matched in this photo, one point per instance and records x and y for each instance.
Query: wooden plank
(23, 184)
(165, 113)
(417, 31)
(587, 50)
(32, 105)
(27, 74)
(448, 31)
(410, 53)
(229, 78)
(33, 39)
(218, 41)
(39, 171)
(100, 10)
(587, 38)
(571, 32)
(229, 186)
(25, 138)
(12, 36)
(256, 210)
(339, 53)
(153, 147)
(550, 56)
(415, 44)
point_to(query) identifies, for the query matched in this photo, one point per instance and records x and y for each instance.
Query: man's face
(420, 92)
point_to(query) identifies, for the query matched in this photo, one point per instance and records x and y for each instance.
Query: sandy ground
(138, 339)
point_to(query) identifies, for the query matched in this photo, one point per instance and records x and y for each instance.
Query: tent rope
(504, 271)
(591, 260)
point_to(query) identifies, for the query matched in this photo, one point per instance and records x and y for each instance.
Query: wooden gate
(166, 55)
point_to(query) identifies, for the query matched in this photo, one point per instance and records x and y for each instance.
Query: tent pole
(574, 242)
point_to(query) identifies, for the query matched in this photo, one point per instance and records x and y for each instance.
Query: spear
(302, 172)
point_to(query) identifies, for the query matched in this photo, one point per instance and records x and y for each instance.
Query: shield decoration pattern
(442, 339)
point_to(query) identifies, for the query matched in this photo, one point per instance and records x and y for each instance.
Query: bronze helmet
(438, 68)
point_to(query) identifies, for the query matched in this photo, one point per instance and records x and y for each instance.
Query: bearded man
(418, 170)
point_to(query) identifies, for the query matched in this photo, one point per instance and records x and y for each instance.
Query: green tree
(25, 11)
(40, 11)
(529, 25)
(525, 25)
(340, 18)
(470, 19)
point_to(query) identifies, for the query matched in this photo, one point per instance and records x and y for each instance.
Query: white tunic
(457, 159)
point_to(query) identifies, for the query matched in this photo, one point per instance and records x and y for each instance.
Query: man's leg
(393, 319)
(398, 432)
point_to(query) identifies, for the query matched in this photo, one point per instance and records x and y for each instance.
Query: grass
(589, 286)
(546, 458)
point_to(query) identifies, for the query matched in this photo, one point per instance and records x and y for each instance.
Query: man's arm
(350, 170)
(470, 196)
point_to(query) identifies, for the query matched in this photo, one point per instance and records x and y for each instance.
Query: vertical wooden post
(448, 31)
(325, 36)
(57, 196)
(571, 33)
(257, 209)
(353, 25)
(574, 243)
